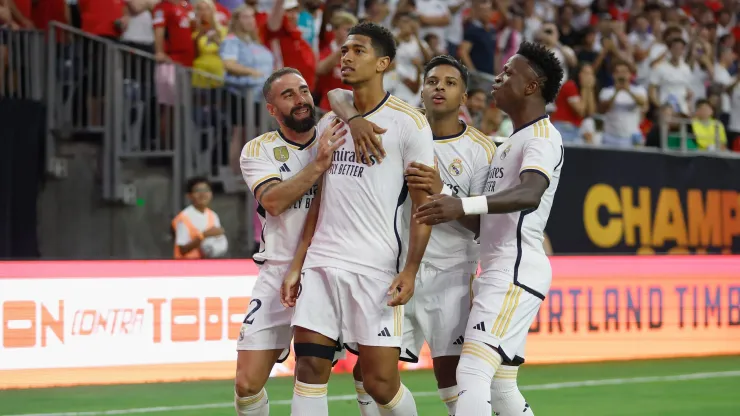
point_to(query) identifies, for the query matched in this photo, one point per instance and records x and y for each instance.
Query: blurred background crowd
(628, 63)
(639, 73)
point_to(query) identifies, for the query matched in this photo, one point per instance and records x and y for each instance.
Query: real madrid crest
(455, 167)
(505, 152)
(281, 154)
(241, 332)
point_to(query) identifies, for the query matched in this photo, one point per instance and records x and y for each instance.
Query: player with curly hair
(510, 217)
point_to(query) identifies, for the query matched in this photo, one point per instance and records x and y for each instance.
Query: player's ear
(271, 109)
(382, 64)
(531, 87)
(464, 99)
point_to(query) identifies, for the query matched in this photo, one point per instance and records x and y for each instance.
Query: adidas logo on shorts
(384, 333)
(481, 326)
(459, 341)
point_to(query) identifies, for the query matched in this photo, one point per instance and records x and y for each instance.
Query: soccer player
(351, 282)
(282, 173)
(515, 272)
(438, 311)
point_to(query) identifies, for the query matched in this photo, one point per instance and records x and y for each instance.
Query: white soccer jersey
(359, 222)
(512, 243)
(463, 161)
(272, 157)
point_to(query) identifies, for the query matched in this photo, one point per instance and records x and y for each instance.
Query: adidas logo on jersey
(284, 168)
(384, 333)
(459, 341)
(481, 326)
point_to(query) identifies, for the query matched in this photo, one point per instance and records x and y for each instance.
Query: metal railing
(22, 64)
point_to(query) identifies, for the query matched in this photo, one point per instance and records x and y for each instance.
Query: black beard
(300, 126)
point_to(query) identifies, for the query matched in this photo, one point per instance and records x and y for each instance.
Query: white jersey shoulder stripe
(478, 137)
(399, 105)
(253, 148)
(541, 129)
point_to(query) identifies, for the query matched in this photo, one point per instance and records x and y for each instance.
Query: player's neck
(445, 125)
(368, 96)
(526, 115)
(294, 136)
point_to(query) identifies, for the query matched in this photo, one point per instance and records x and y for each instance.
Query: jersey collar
(453, 136)
(295, 145)
(528, 124)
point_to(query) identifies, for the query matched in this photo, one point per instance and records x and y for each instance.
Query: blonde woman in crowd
(208, 35)
(248, 63)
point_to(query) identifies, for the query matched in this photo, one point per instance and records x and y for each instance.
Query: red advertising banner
(108, 322)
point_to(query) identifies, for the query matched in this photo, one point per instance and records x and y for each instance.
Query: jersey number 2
(258, 305)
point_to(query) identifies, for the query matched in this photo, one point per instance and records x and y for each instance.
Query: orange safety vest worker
(194, 233)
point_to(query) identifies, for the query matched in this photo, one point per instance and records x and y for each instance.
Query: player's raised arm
(540, 159)
(263, 175)
(418, 146)
(364, 133)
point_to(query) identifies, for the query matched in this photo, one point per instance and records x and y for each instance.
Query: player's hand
(440, 209)
(213, 232)
(367, 143)
(422, 177)
(291, 288)
(402, 289)
(330, 140)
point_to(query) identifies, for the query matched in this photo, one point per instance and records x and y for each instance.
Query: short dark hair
(702, 102)
(474, 91)
(676, 40)
(267, 87)
(381, 38)
(620, 62)
(546, 65)
(448, 60)
(194, 181)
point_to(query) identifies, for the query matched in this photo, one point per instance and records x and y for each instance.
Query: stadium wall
(111, 322)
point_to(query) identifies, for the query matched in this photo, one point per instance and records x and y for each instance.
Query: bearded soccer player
(282, 174)
(352, 285)
(515, 272)
(438, 312)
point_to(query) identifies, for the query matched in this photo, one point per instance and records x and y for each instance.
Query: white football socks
(367, 404)
(478, 364)
(309, 400)
(506, 399)
(256, 405)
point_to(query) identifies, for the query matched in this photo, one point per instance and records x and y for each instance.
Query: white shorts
(502, 314)
(438, 312)
(348, 307)
(267, 324)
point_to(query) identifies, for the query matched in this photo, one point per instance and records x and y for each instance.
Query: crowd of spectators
(628, 63)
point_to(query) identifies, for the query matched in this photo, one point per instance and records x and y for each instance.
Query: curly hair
(381, 38)
(546, 65)
(448, 60)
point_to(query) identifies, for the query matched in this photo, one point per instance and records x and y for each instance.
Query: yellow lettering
(645, 251)
(669, 219)
(636, 216)
(705, 226)
(730, 217)
(679, 250)
(604, 236)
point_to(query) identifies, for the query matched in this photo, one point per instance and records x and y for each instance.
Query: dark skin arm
(524, 196)
(426, 179)
(195, 244)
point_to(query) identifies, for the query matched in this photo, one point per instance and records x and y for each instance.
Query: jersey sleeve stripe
(536, 169)
(486, 142)
(399, 105)
(264, 180)
(541, 129)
